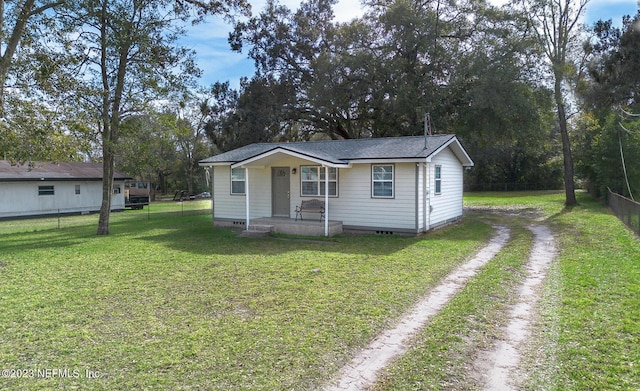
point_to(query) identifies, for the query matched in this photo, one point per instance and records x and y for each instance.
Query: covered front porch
(285, 225)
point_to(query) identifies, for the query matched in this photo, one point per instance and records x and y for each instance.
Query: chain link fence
(628, 211)
(512, 186)
(61, 218)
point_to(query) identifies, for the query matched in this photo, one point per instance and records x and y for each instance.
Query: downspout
(423, 166)
(326, 200)
(418, 198)
(428, 194)
(213, 204)
(246, 197)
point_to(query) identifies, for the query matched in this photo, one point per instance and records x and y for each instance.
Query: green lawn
(586, 333)
(171, 303)
(159, 209)
(174, 304)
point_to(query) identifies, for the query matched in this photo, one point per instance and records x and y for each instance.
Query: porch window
(312, 181)
(382, 181)
(45, 190)
(238, 178)
(438, 179)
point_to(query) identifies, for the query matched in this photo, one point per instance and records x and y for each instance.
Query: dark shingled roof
(343, 151)
(45, 171)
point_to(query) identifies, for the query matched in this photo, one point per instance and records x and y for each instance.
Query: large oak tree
(131, 58)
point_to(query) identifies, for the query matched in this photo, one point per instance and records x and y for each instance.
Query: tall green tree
(472, 66)
(18, 20)
(146, 150)
(558, 30)
(608, 138)
(187, 127)
(614, 64)
(258, 112)
(29, 127)
(131, 58)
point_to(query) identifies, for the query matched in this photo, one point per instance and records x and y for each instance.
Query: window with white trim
(45, 190)
(382, 177)
(77, 189)
(312, 181)
(438, 179)
(238, 180)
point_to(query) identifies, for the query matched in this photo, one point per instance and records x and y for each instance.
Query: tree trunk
(107, 187)
(569, 184)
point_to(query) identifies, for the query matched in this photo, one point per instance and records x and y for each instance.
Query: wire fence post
(58, 218)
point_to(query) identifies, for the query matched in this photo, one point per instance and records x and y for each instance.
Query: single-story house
(43, 188)
(385, 185)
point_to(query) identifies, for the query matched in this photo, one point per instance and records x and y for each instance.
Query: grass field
(175, 304)
(172, 303)
(588, 332)
(160, 209)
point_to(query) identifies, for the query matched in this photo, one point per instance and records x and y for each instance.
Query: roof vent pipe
(427, 130)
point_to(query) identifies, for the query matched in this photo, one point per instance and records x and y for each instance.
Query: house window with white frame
(45, 190)
(382, 181)
(312, 181)
(238, 180)
(77, 189)
(438, 179)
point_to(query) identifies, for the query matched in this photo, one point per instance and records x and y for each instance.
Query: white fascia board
(457, 150)
(382, 161)
(210, 164)
(289, 153)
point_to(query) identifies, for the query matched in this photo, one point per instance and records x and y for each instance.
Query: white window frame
(437, 178)
(46, 190)
(319, 180)
(242, 180)
(77, 189)
(383, 180)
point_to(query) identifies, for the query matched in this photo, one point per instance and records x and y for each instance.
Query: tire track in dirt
(496, 369)
(361, 372)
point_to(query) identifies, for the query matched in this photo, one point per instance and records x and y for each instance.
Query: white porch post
(326, 200)
(246, 197)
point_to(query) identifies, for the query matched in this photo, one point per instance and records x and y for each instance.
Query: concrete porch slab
(284, 225)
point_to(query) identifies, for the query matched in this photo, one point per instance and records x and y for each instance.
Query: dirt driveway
(495, 369)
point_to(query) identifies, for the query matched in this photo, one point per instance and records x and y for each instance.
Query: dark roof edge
(45, 179)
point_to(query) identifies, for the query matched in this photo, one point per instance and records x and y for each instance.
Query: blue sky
(219, 63)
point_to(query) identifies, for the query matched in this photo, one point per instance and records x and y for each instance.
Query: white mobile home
(400, 184)
(50, 188)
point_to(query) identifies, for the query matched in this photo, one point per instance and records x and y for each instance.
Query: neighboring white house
(49, 188)
(400, 184)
